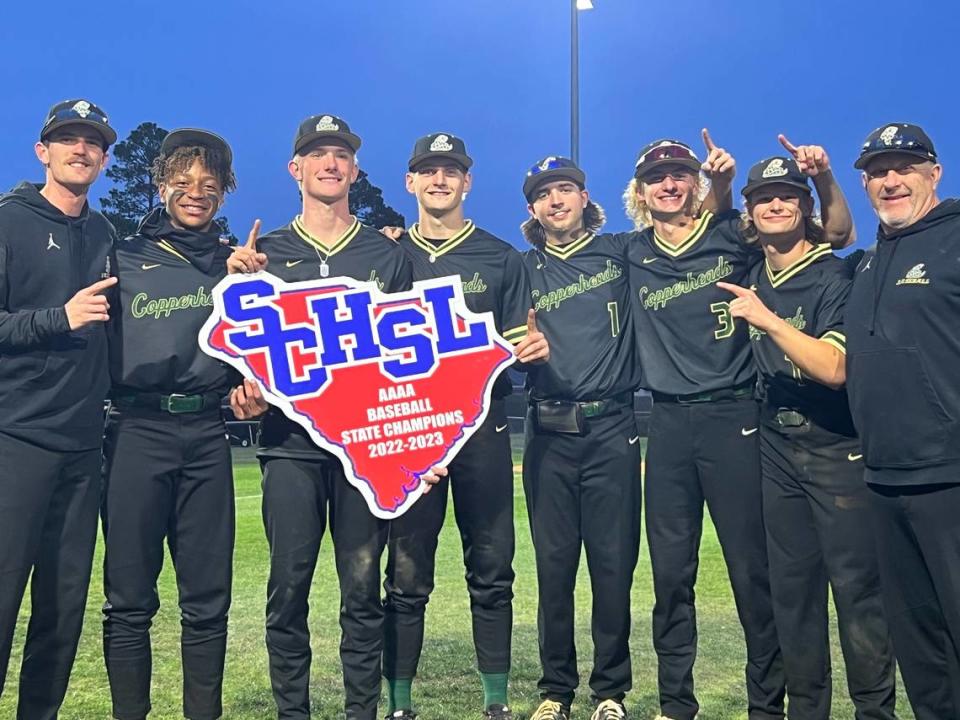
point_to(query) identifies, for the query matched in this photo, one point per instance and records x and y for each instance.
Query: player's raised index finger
(252, 237)
(531, 321)
(707, 140)
(790, 147)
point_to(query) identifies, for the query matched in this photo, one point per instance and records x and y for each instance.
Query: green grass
(447, 686)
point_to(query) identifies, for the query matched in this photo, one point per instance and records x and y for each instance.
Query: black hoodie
(166, 278)
(52, 381)
(903, 352)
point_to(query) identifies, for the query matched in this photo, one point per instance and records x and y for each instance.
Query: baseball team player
(168, 471)
(815, 502)
(703, 443)
(444, 243)
(903, 353)
(301, 482)
(581, 461)
(55, 273)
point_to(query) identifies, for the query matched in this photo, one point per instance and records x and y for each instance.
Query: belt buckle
(592, 408)
(176, 403)
(787, 418)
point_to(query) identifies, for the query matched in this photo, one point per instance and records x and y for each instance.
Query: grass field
(447, 686)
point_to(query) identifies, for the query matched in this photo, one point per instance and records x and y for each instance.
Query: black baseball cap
(195, 136)
(775, 170)
(324, 126)
(898, 138)
(549, 169)
(440, 145)
(665, 152)
(79, 112)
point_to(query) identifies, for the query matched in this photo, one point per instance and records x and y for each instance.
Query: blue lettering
(334, 329)
(448, 340)
(274, 338)
(424, 359)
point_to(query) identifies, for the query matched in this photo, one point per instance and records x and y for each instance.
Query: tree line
(134, 194)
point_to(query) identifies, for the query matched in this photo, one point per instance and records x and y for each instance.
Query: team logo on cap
(441, 144)
(888, 135)
(545, 165)
(326, 124)
(81, 108)
(774, 168)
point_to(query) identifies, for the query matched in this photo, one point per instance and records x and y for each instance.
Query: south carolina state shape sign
(391, 384)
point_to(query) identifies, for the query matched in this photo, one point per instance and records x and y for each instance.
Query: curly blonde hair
(636, 206)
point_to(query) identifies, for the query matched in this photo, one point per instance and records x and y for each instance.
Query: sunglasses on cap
(666, 152)
(552, 163)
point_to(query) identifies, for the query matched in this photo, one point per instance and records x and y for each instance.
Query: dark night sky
(496, 75)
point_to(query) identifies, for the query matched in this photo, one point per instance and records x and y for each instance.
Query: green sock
(494, 688)
(398, 694)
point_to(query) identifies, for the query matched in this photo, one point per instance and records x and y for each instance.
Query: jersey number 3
(722, 311)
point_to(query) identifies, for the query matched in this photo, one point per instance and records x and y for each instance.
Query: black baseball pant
(817, 516)
(918, 542)
(48, 524)
(583, 490)
(296, 496)
(168, 477)
(482, 480)
(696, 452)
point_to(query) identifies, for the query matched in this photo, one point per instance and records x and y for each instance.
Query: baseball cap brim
(691, 164)
(862, 161)
(464, 160)
(108, 134)
(751, 187)
(195, 136)
(352, 141)
(532, 182)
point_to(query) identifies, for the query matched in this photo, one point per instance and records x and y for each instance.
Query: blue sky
(824, 72)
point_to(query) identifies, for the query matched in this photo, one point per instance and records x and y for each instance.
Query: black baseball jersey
(53, 380)
(581, 292)
(687, 340)
(360, 253)
(903, 352)
(491, 273)
(810, 295)
(165, 298)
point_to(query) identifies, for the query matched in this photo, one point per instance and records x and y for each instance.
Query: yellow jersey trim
(339, 244)
(699, 228)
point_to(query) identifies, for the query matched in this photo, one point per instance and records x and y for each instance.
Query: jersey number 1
(614, 318)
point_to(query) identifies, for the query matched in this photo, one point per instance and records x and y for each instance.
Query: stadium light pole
(575, 7)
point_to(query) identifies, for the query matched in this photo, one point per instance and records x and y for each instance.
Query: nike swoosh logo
(149, 267)
(853, 458)
(500, 428)
(634, 440)
(647, 261)
(291, 263)
(745, 432)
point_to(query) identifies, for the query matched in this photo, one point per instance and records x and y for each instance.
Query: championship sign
(392, 384)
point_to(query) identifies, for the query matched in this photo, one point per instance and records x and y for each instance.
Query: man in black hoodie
(167, 459)
(904, 388)
(54, 269)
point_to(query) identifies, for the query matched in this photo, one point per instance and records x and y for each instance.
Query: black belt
(598, 408)
(737, 392)
(175, 403)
